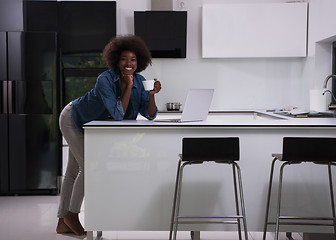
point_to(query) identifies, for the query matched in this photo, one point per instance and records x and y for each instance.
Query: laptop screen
(197, 105)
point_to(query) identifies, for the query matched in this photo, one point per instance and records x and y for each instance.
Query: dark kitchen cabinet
(82, 26)
(41, 16)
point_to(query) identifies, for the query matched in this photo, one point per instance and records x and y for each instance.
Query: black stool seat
(297, 150)
(218, 150)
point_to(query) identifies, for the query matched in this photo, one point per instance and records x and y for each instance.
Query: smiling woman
(118, 94)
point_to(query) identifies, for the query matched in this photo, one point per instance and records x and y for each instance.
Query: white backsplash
(238, 83)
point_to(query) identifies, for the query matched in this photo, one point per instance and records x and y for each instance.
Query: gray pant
(72, 191)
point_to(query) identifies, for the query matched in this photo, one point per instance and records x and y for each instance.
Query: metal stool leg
(178, 200)
(240, 182)
(236, 198)
(268, 198)
(332, 197)
(174, 201)
(279, 201)
(289, 235)
(195, 235)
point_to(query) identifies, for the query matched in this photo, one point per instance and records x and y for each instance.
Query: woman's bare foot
(72, 221)
(62, 227)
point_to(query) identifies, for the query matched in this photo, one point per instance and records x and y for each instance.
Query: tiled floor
(34, 218)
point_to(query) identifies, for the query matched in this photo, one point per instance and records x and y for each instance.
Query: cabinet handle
(10, 97)
(4, 97)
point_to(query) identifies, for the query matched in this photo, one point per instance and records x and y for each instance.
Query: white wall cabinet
(254, 30)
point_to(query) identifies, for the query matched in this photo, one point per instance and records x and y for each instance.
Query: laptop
(196, 106)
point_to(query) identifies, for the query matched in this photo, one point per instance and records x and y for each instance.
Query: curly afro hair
(112, 51)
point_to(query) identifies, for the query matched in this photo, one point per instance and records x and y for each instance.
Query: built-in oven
(79, 74)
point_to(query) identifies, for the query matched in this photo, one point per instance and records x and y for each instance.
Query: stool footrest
(306, 221)
(202, 217)
(203, 222)
(307, 218)
(302, 223)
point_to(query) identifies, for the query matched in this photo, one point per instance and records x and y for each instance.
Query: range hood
(168, 5)
(162, 5)
(163, 29)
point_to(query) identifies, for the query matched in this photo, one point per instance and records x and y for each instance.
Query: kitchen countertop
(230, 118)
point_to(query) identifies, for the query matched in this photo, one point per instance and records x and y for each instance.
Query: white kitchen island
(130, 170)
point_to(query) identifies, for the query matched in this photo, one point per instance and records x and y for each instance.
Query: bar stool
(297, 150)
(218, 150)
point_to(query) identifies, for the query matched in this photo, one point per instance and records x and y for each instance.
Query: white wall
(264, 83)
(322, 23)
(322, 31)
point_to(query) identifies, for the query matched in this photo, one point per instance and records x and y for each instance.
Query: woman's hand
(127, 79)
(151, 105)
(157, 87)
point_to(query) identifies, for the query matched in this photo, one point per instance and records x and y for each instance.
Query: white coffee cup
(148, 84)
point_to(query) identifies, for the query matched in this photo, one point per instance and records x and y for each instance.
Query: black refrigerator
(29, 101)
(50, 53)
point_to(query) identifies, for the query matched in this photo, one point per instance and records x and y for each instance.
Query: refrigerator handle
(4, 97)
(10, 97)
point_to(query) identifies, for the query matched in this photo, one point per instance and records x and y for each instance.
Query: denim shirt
(104, 100)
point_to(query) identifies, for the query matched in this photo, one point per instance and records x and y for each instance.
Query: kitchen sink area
(330, 114)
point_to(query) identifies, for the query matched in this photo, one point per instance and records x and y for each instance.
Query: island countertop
(229, 118)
